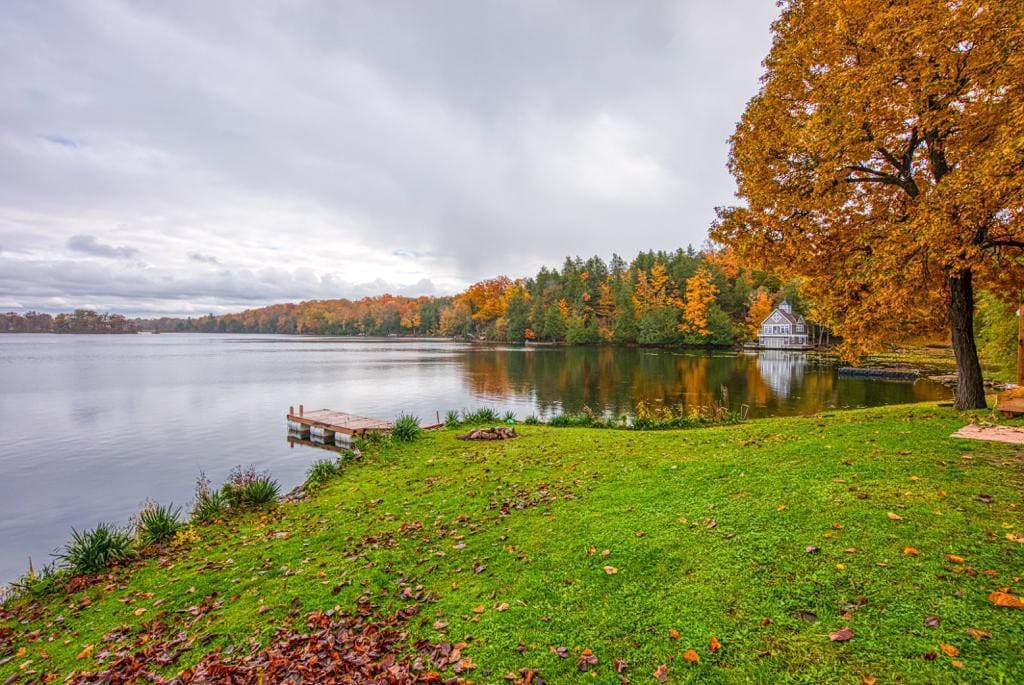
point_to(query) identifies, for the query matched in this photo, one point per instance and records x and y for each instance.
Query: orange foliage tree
(700, 295)
(883, 161)
(760, 307)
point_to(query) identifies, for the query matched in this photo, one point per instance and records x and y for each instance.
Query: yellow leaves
(611, 570)
(85, 653)
(691, 656)
(978, 634)
(910, 551)
(894, 516)
(21, 652)
(714, 645)
(949, 650)
(1005, 599)
(954, 559)
(139, 612)
(479, 609)
(673, 633)
(1015, 537)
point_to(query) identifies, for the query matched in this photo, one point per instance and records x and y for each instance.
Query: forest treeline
(660, 298)
(686, 297)
(78, 321)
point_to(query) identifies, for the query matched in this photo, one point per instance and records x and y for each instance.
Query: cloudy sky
(184, 157)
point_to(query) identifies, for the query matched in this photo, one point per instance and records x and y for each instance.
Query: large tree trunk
(970, 389)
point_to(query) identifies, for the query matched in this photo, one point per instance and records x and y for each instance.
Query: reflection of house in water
(782, 370)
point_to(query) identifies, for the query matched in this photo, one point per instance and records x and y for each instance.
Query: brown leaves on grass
(978, 634)
(893, 516)
(949, 650)
(841, 635)
(691, 656)
(954, 559)
(1005, 599)
(661, 673)
(587, 660)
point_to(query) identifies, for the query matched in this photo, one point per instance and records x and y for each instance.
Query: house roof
(789, 317)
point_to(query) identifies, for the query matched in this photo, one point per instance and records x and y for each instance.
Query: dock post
(438, 413)
(291, 410)
(300, 410)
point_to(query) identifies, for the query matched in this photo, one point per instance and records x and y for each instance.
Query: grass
(95, 549)
(706, 531)
(158, 524)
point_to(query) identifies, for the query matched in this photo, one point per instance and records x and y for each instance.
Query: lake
(91, 425)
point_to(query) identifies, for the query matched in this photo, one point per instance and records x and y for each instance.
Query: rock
(495, 433)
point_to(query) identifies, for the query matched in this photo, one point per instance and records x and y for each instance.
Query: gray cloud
(203, 258)
(421, 143)
(88, 244)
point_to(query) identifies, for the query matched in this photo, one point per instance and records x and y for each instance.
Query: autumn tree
(883, 160)
(700, 295)
(760, 307)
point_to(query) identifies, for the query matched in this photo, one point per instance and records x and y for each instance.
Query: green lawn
(707, 530)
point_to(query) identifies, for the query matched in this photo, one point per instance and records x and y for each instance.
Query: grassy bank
(764, 538)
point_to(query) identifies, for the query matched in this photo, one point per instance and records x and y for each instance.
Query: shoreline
(327, 550)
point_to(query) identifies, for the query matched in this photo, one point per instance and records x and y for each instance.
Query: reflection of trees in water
(612, 380)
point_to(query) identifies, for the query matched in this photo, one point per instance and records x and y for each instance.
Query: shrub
(371, 439)
(407, 428)
(209, 507)
(482, 415)
(531, 420)
(209, 504)
(157, 524)
(451, 419)
(248, 488)
(509, 417)
(321, 472)
(260, 492)
(49, 580)
(93, 551)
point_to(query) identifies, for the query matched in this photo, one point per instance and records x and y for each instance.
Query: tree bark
(970, 388)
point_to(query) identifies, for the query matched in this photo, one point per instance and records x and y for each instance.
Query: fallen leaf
(910, 551)
(611, 570)
(661, 673)
(1015, 537)
(931, 621)
(1005, 599)
(894, 516)
(621, 665)
(691, 656)
(586, 660)
(84, 654)
(139, 612)
(841, 635)
(954, 559)
(673, 633)
(811, 549)
(502, 607)
(949, 650)
(21, 652)
(714, 645)
(979, 634)
(868, 680)
(957, 664)
(480, 609)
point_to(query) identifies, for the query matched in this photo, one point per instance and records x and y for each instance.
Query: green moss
(707, 530)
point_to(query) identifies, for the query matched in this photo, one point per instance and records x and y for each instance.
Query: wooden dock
(329, 426)
(892, 374)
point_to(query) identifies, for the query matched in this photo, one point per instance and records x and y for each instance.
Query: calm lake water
(91, 426)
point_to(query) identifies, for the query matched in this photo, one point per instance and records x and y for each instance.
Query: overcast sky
(184, 157)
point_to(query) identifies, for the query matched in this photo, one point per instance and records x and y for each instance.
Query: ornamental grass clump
(322, 471)
(482, 415)
(452, 419)
(406, 428)
(95, 550)
(157, 524)
(248, 488)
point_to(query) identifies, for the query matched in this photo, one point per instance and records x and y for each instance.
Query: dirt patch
(1007, 434)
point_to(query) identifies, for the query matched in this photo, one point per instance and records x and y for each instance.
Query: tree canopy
(882, 162)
